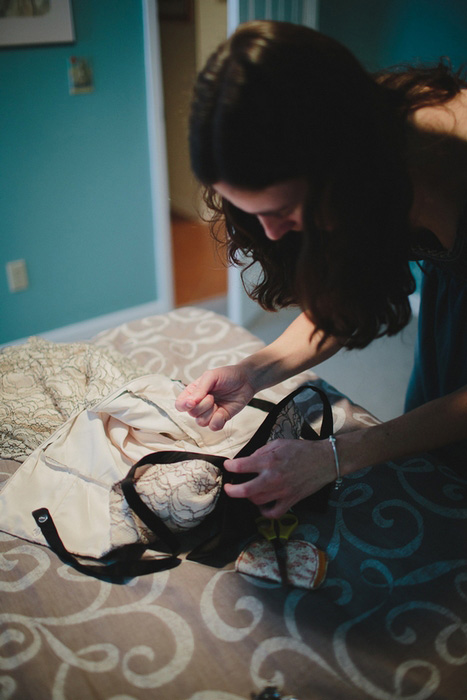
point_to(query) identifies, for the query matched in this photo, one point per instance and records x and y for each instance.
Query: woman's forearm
(294, 351)
(435, 424)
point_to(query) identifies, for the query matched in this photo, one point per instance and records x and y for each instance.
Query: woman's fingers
(214, 417)
(266, 457)
(215, 397)
(197, 403)
(203, 418)
(196, 396)
(271, 504)
(258, 489)
(204, 406)
(219, 419)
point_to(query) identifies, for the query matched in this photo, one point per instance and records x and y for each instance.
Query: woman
(333, 180)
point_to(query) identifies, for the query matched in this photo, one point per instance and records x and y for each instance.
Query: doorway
(199, 272)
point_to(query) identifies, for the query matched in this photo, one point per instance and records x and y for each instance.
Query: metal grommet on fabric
(332, 440)
(41, 516)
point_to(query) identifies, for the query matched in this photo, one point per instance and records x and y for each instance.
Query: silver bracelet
(338, 481)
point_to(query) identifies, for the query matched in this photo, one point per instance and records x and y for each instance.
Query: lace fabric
(43, 383)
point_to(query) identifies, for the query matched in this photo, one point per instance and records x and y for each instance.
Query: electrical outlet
(17, 275)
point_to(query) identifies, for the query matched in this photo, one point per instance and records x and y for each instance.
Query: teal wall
(383, 33)
(74, 175)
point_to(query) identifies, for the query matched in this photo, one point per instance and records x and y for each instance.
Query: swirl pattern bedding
(389, 621)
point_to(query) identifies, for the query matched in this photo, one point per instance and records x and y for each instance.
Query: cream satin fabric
(73, 472)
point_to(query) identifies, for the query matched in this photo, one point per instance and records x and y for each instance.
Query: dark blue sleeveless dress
(441, 351)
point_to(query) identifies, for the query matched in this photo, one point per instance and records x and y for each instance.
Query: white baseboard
(87, 329)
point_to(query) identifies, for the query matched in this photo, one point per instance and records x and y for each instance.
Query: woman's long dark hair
(280, 101)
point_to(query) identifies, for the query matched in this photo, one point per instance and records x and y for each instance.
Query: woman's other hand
(286, 471)
(217, 396)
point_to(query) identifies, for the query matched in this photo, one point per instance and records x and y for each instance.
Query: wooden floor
(199, 273)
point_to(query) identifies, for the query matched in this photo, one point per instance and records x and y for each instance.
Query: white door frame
(158, 158)
(237, 300)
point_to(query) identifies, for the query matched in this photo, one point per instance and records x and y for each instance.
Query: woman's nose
(274, 228)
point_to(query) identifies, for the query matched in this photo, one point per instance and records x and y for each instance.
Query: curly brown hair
(280, 101)
(424, 85)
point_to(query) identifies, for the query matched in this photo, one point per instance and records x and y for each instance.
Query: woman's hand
(286, 472)
(217, 396)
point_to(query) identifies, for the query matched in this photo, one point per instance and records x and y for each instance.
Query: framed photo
(181, 10)
(30, 22)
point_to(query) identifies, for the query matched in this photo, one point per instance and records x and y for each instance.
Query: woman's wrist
(348, 453)
(261, 370)
(365, 447)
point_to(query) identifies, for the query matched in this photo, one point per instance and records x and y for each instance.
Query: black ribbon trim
(127, 562)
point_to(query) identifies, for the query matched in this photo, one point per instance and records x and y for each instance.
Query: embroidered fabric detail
(306, 564)
(288, 424)
(43, 383)
(181, 494)
(125, 526)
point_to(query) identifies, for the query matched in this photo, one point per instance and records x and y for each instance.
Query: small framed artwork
(80, 76)
(32, 22)
(181, 10)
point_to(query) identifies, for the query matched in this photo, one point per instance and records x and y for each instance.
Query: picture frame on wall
(24, 23)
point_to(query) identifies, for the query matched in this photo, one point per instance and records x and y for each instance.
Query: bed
(389, 620)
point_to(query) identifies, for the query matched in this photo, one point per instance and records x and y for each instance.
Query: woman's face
(278, 208)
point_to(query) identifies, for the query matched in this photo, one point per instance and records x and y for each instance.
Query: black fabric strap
(262, 404)
(173, 456)
(118, 570)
